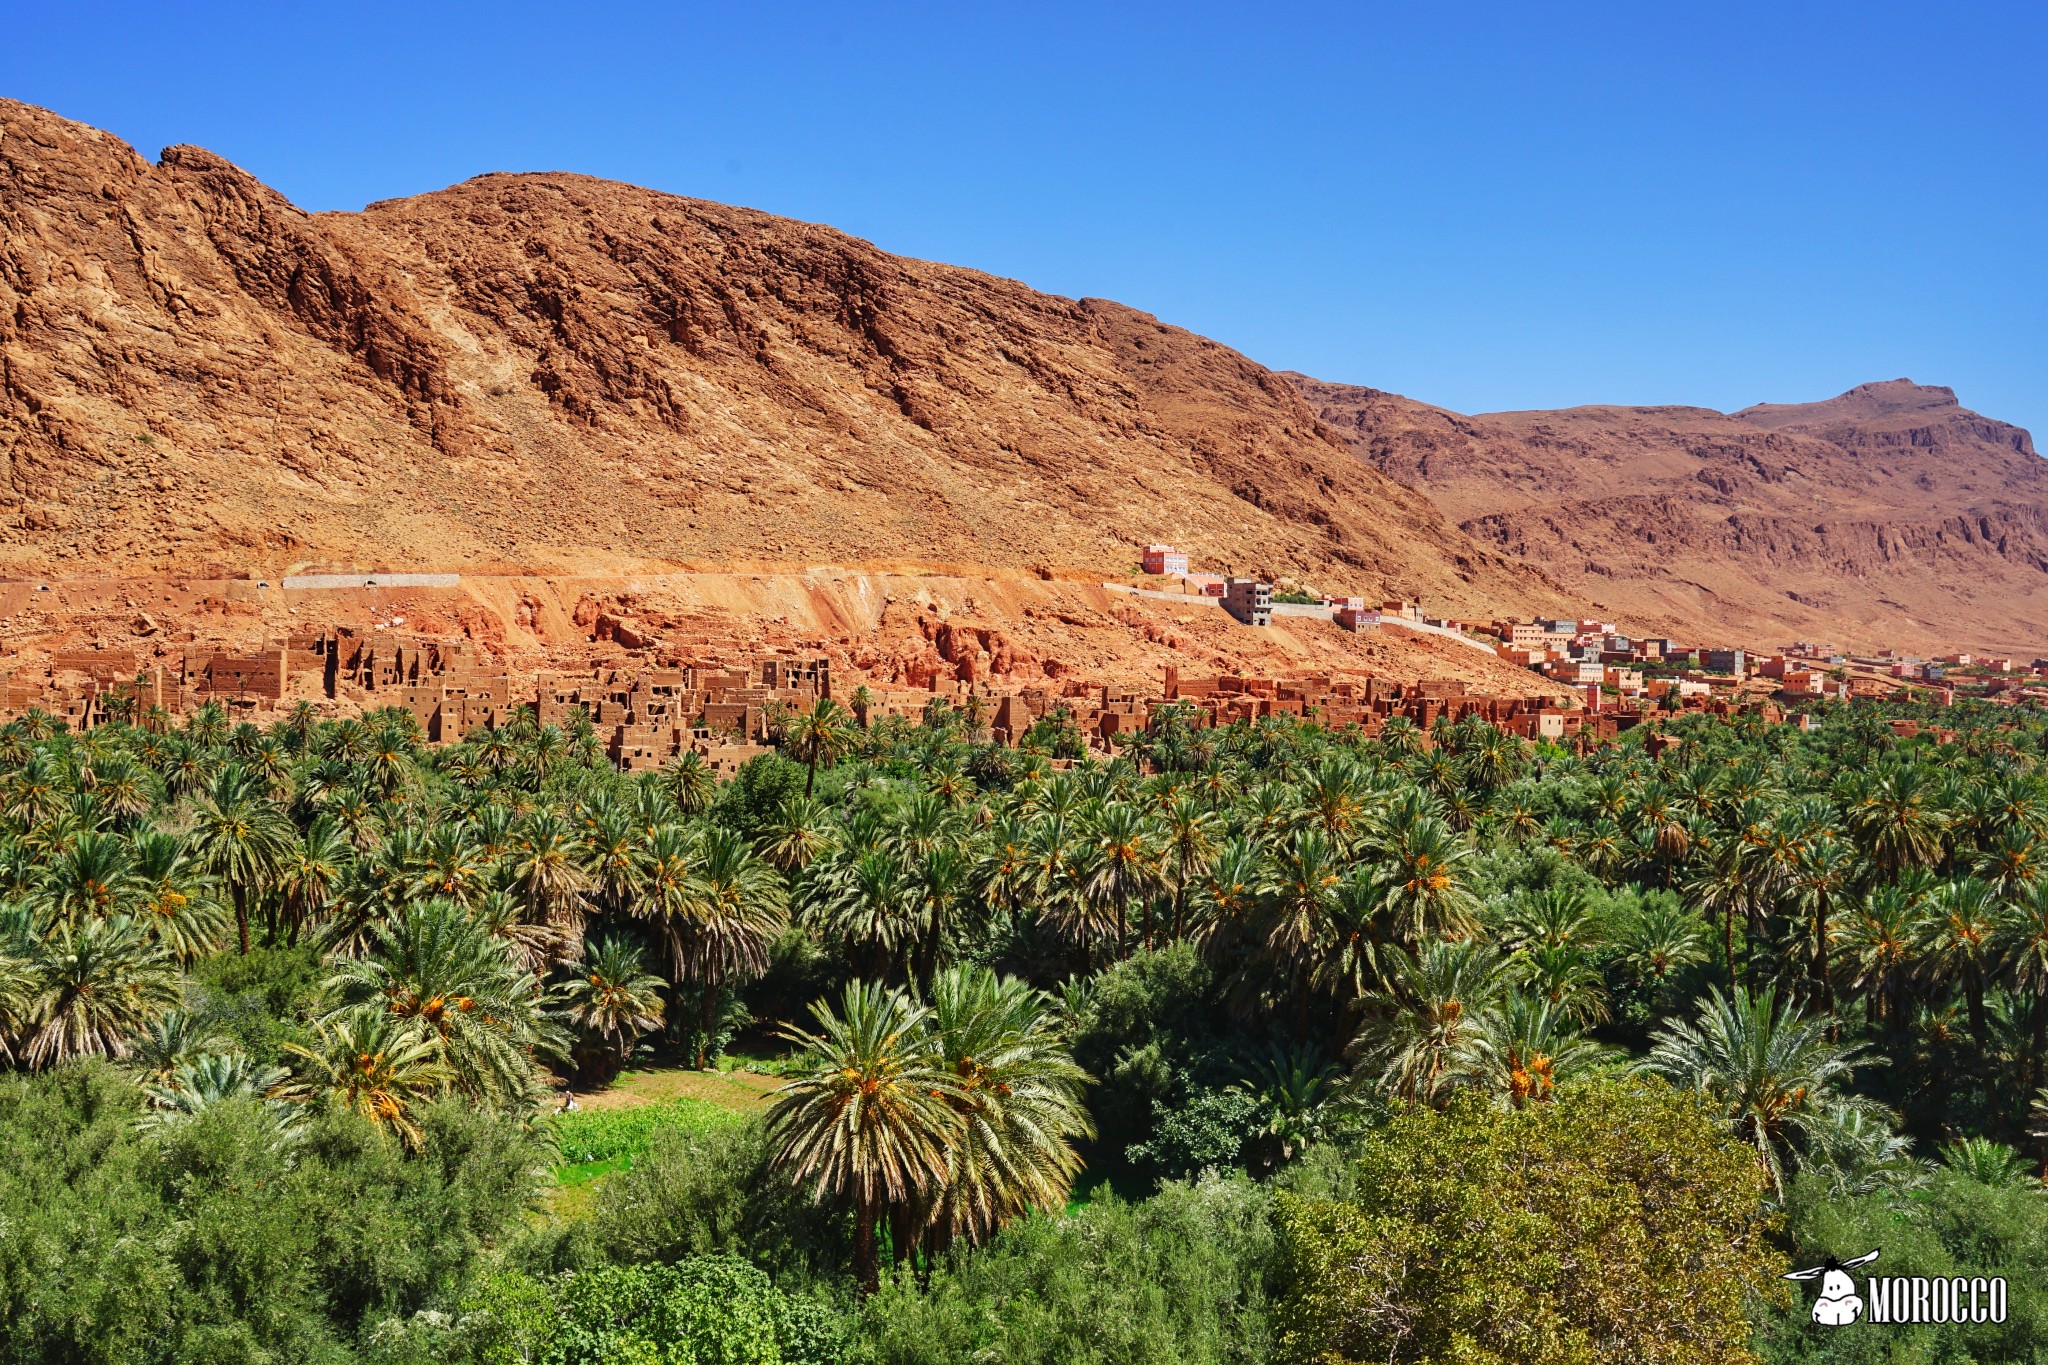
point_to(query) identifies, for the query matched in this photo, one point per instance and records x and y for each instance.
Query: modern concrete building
(1249, 601)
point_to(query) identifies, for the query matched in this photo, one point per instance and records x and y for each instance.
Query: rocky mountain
(1890, 515)
(556, 373)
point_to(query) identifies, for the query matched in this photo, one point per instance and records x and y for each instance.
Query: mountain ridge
(549, 371)
(1887, 515)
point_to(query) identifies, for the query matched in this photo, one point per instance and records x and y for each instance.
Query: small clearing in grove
(741, 1091)
(613, 1126)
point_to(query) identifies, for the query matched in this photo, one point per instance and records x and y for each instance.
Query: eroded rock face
(556, 372)
(1888, 515)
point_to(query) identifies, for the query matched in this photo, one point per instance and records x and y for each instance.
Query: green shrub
(259, 1001)
(713, 1190)
(1177, 1279)
(221, 1239)
(707, 1310)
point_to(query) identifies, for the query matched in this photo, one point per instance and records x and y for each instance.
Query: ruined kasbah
(720, 698)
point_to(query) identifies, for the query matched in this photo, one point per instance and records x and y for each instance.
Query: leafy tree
(1617, 1224)
(211, 1239)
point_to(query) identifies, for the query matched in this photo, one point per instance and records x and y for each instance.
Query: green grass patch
(611, 1138)
(583, 1172)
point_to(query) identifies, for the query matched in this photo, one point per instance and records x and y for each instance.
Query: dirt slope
(1890, 515)
(550, 372)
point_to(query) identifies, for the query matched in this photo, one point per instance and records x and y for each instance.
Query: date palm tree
(1428, 1040)
(1334, 799)
(818, 736)
(97, 985)
(614, 855)
(866, 901)
(1773, 1073)
(175, 897)
(1422, 872)
(1126, 861)
(2012, 861)
(1302, 1098)
(1820, 874)
(1988, 1163)
(312, 875)
(35, 791)
(1719, 887)
(243, 840)
(547, 867)
(2023, 960)
(1019, 1097)
(125, 789)
(1659, 940)
(90, 878)
(1299, 913)
(801, 833)
(197, 1085)
(174, 1038)
(943, 878)
(451, 863)
(1897, 820)
(480, 1011)
(1191, 831)
(1563, 977)
(740, 906)
(688, 782)
(1527, 1047)
(870, 1114)
(669, 893)
(611, 996)
(1959, 943)
(369, 1062)
(1880, 939)
(1003, 864)
(1555, 917)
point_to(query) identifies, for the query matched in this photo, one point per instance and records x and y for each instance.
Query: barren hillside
(1888, 515)
(559, 373)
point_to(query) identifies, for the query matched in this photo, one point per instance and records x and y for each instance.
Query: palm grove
(1267, 1013)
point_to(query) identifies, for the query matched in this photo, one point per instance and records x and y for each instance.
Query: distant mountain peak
(1780, 521)
(1866, 402)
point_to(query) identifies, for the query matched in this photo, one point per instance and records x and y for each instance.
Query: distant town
(721, 696)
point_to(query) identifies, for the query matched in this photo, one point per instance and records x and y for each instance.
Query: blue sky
(1481, 206)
